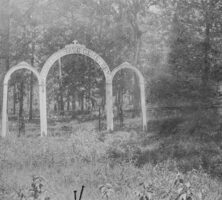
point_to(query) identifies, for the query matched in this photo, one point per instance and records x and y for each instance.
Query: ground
(124, 164)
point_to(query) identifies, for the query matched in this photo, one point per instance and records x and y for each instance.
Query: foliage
(57, 165)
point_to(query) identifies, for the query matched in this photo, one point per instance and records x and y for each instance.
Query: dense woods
(175, 44)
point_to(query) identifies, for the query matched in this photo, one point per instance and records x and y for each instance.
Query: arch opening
(8, 75)
(75, 49)
(75, 91)
(127, 65)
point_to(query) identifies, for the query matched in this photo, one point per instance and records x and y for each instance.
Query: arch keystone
(74, 44)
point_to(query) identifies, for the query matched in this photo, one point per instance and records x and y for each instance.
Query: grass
(124, 164)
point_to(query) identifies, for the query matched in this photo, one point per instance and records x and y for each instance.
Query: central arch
(75, 48)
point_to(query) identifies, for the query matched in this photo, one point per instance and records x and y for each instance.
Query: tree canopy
(176, 45)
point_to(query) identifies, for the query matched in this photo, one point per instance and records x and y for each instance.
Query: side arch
(127, 65)
(75, 48)
(22, 65)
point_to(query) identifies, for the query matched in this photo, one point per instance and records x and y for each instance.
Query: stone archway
(127, 65)
(75, 48)
(22, 65)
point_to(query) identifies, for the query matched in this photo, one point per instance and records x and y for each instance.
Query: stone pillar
(109, 105)
(4, 111)
(43, 108)
(143, 104)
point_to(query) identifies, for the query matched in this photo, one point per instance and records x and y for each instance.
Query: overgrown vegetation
(119, 165)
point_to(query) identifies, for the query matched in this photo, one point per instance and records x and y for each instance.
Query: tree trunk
(68, 102)
(21, 97)
(73, 99)
(74, 102)
(21, 122)
(89, 90)
(31, 96)
(61, 101)
(31, 80)
(14, 99)
(135, 78)
(82, 102)
(120, 99)
(5, 26)
(5, 35)
(57, 103)
(206, 69)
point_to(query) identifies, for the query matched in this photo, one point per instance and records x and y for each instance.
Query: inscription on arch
(76, 48)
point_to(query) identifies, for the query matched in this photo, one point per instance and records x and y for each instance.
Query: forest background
(176, 44)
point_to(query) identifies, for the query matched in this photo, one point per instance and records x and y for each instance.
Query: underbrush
(118, 165)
